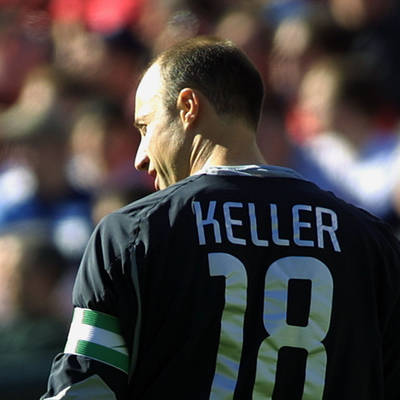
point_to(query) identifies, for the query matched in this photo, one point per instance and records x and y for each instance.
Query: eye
(142, 129)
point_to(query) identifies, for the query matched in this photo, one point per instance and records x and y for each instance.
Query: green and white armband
(97, 335)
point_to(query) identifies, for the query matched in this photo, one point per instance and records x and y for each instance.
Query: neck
(226, 148)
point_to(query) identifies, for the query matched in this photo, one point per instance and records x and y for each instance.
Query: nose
(142, 159)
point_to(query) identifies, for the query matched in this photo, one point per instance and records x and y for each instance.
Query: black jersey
(236, 283)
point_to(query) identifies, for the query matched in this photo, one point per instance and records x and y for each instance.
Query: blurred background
(68, 73)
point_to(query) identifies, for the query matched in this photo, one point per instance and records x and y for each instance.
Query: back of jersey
(255, 284)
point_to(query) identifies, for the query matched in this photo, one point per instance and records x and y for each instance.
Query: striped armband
(96, 335)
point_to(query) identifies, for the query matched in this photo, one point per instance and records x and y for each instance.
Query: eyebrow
(140, 121)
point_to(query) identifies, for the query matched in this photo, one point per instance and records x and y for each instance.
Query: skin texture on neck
(241, 149)
(220, 140)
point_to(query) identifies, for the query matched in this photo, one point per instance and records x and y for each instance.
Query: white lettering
(321, 228)
(307, 226)
(253, 228)
(229, 221)
(275, 227)
(210, 220)
(297, 225)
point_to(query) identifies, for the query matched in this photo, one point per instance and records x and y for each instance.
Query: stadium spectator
(39, 130)
(361, 159)
(30, 328)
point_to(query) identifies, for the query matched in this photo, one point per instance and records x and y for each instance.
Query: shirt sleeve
(96, 359)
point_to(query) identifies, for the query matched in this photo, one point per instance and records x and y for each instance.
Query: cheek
(159, 140)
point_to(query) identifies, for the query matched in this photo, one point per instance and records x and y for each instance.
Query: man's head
(219, 70)
(195, 75)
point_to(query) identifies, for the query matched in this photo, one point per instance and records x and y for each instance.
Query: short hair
(219, 70)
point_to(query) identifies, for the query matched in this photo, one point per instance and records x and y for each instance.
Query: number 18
(280, 333)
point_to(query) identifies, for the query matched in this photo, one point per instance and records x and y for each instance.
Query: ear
(188, 104)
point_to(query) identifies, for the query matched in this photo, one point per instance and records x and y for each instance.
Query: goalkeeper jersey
(235, 283)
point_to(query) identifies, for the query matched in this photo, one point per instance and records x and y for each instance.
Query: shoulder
(122, 224)
(140, 209)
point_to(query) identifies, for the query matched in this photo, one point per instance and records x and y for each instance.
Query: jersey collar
(251, 170)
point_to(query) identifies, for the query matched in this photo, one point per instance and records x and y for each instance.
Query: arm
(96, 358)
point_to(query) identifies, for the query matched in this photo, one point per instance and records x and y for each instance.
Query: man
(236, 280)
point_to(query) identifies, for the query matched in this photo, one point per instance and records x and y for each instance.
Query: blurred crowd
(68, 73)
